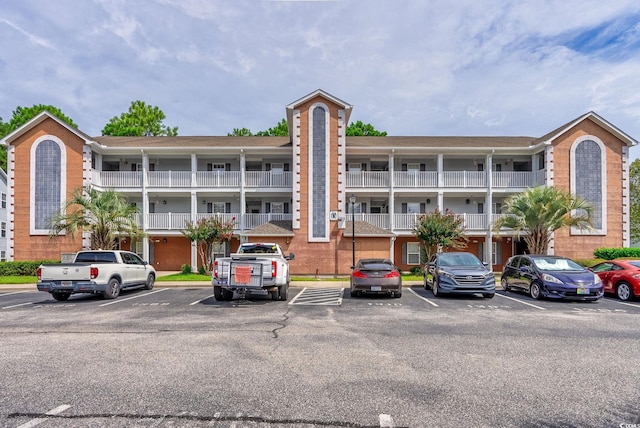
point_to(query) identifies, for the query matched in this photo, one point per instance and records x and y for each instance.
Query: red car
(620, 277)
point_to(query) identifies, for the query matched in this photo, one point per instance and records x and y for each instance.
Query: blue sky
(409, 67)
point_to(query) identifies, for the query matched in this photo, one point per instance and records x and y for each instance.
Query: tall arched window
(48, 182)
(319, 173)
(588, 179)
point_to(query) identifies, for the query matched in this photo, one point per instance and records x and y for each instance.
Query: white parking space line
(521, 301)
(386, 421)
(16, 306)
(38, 421)
(423, 298)
(200, 301)
(320, 296)
(623, 303)
(134, 297)
(15, 292)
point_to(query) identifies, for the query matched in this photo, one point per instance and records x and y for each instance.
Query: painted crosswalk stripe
(319, 297)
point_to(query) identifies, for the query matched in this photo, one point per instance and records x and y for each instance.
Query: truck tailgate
(71, 272)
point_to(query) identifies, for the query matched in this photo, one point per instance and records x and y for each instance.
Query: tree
(142, 120)
(280, 130)
(634, 200)
(359, 129)
(105, 215)
(440, 230)
(240, 132)
(207, 233)
(22, 115)
(539, 211)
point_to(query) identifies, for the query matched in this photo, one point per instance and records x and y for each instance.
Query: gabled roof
(36, 121)
(318, 92)
(272, 228)
(365, 229)
(598, 120)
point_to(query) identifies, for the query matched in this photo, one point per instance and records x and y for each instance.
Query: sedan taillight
(392, 274)
(358, 274)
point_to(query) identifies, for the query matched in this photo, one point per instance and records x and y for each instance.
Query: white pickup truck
(104, 272)
(255, 267)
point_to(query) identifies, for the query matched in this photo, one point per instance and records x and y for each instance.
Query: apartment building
(317, 192)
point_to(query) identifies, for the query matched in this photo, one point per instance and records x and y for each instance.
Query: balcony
(268, 179)
(254, 220)
(453, 179)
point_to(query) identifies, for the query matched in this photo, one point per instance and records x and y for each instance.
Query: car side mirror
(291, 256)
(485, 263)
(525, 269)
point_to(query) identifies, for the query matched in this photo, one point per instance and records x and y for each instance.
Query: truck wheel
(222, 295)
(113, 289)
(283, 292)
(151, 280)
(61, 297)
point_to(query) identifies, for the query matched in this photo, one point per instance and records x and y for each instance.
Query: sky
(408, 67)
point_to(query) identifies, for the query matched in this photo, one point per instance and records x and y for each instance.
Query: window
(3, 256)
(3, 229)
(413, 253)
(355, 168)
(48, 182)
(4, 200)
(413, 207)
(413, 167)
(588, 180)
(318, 186)
(277, 207)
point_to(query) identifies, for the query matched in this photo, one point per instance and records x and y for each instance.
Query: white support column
(440, 172)
(194, 170)
(392, 196)
(145, 205)
(243, 203)
(194, 244)
(488, 203)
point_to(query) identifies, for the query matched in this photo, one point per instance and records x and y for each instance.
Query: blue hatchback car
(552, 277)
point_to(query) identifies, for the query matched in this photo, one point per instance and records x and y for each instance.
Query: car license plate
(376, 288)
(65, 283)
(583, 291)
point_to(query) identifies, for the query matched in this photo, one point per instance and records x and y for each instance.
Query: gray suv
(459, 272)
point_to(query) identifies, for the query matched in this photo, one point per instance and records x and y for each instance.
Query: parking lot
(177, 357)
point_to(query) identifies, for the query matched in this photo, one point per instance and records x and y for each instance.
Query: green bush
(202, 270)
(22, 268)
(588, 262)
(186, 269)
(416, 270)
(616, 253)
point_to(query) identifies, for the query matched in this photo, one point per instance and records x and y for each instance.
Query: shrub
(22, 268)
(416, 270)
(186, 269)
(615, 253)
(202, 270)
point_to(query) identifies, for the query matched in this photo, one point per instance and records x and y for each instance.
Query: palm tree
(539, 211)
(105, 215)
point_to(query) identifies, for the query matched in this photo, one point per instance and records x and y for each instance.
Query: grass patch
(14, 279)
(183, 277)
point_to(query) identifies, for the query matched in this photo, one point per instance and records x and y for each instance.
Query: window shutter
(480, 208)
(209, 167)
(267, 207)
(152, 167)
(209, 207)
(404, 208)
(423, 208)
(227, 167)
(404, 253)
(286, 207)
(404, 167)
(227, 207)
(423, 167)
(133, 167)
(286, 167)
(267, 167)
(363, 208)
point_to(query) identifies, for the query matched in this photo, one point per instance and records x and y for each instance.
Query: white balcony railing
(117, 178)
(368, 179)
(169, 178)
(417, 179)
(518, 179)
(218, 178)
(254, 220)
(267, 179)
(379, 220)
(168, 221)
(464, 178)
